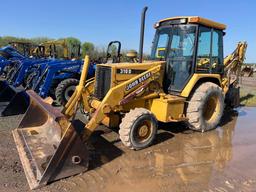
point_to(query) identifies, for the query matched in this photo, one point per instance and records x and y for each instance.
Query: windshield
(176, 45)
(180, 39)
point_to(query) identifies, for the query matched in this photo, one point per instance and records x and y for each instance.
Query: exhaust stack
(142, 29)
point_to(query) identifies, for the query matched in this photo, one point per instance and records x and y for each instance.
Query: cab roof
(192, 20)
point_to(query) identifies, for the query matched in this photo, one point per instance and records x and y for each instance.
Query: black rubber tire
(130, 124)
(61, 94)
(198, 106)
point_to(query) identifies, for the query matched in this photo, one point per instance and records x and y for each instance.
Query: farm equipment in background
(59, 81)
(13, 98)
(43, 52)
(25, 48)
(57, 49)
(247, 71)
(113, 52)
(189, 84)
(46, 78)
(48, 55)
(10, 93)
(55, 78)
(9, 54)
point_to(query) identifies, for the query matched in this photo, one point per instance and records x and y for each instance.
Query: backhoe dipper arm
(234, 61)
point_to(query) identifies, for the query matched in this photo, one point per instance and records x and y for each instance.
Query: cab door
(180, 58)
(209, 51)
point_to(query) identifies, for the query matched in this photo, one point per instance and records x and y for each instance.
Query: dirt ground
(220, 160)
(248, 91)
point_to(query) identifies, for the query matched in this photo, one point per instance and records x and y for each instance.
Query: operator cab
(189, 45)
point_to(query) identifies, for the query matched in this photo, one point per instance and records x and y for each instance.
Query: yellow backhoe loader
(184, 81)
(57, 48)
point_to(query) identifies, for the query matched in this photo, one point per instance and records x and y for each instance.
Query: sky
(102, 21)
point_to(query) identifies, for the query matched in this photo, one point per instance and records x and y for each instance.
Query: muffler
(13, 101)
(48, 145)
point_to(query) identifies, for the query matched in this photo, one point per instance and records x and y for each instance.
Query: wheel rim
(69, 92)
(211, 108)
(144, 131)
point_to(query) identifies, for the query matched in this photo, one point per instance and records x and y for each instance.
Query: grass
(248, 96)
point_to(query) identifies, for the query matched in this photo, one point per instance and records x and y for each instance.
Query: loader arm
(116, 95)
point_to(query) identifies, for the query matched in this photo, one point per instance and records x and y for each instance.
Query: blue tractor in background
(44, 79)
(16, 66)
(8, 55)
(56, 79)
(17, 51)
(59, 81)
(44, 53)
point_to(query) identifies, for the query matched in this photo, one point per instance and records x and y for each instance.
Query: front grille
(102, 81)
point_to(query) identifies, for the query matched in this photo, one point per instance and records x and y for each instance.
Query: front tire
(138, 128)
(205, 107)
(64, 90)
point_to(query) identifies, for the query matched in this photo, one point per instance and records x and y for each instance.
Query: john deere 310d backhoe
(186, 80)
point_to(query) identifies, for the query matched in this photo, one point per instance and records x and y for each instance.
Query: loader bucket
(48, 145)
(13, 101)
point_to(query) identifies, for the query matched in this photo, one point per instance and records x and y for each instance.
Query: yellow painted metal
(198, 20)
(72, 104)
(233, 64)
(159, 56)
(124, 94)
(117, 93)
(195, 78)
(168, 108)
(111, 120)
(48, 44)
(125, 69)
(132, 89)
(211, 109)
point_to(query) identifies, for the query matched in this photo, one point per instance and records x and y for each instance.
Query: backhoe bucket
(48, 145)
(13, 101)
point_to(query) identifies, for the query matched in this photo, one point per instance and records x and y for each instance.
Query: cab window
(210, 50)
(160, 44)
(204, 49)
(217, 51)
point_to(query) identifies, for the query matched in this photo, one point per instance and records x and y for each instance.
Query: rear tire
(138, 128)
(64, 90)
(205, 107)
